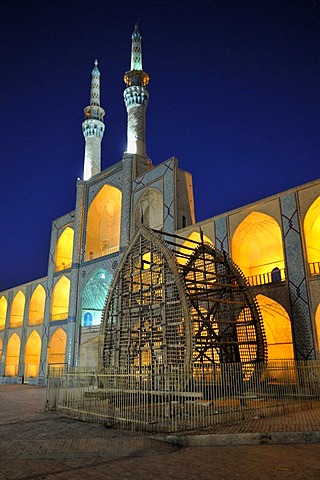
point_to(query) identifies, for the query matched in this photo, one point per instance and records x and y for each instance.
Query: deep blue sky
(234, 94)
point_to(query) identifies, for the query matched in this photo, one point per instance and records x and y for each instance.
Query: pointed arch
(64, 248)
(257, 248)
(32, 355)
(103, 223)
(60, 299)
(3, 312)
(149, 210)
(189, 245)
(36, 307)
(57, 348)
(17, 310)
(12, 356)
(94, 297)
(278, 329)
(311, 227)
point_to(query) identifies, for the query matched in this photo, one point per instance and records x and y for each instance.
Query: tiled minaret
(93, 128)
(136, 99)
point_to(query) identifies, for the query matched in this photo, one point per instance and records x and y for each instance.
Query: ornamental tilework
(221, 234)
(301, 322)
(126, 201)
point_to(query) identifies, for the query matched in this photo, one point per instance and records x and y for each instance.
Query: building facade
(56, 320)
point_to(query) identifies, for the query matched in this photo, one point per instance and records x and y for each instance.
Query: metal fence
(173, 399)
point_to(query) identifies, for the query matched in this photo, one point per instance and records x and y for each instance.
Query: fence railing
(314, 268)
(173, 399)
(275, 276)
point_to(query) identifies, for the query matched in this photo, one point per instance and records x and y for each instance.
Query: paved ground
(38, 445)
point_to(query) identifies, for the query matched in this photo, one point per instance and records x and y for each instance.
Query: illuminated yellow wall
(36, 308)
(17, 310)
(57, 347)
(12, 357)
(277, 326)
(63, 258)
(257, 245)
(318, 325)
(60, 299)
(103, 224)
(3, 312)
(187, 245)
(149, 210)
(312, 232)
(32, 355)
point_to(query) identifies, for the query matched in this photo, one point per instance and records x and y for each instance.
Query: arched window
(36, 308)
(277, 326)
(60, 299)
(12, 357)
(149, 210)
(318, 326)
(57, 349)
(32, 355)
(94, 297)
(63, 258)
(257, 248)
(189, 245)
(103, 224)
(312, 235)
(3, 312)
(17, 310)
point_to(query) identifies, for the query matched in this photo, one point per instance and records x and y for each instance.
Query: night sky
(234, 95)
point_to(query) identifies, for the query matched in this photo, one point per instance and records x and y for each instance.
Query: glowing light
(17, 310)
(63, 258)
(60, 299)
(36, 308)
(312, 233)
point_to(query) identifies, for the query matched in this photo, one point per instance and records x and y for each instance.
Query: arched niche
(57, 349)
(36, 307)
(312, 234)
(17, 310)
(257, 248)
(32, 355)
(12, 356)
(103, 223)
(3, 312)
(94, 296)
(149, 210)
(64, 247)
(277, 327)
(190, 245)
(60, 299)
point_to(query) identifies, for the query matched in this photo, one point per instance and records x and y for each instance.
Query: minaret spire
(93, 127)
(136, 98)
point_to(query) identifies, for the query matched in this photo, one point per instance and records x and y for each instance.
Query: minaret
(136, 99)
(93, 128)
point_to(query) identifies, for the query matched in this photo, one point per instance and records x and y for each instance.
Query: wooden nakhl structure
(179, 302)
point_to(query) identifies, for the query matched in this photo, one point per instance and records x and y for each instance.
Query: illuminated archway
(17, 310)
(278, 330)
(258, 250)
(57, 348)
(103, 224)
(36, 308)
(94, 297)
(3, 312)
(317, 318)
(60, 299)
(312, 234)
(63, 258)
(32, 355)
(12, 357)
(189, 245)
(149, 210)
